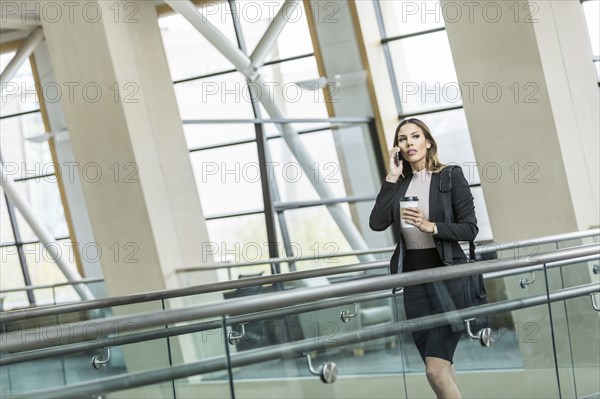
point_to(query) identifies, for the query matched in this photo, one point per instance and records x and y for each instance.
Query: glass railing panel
(521, 351)
(147, 354)
(576, 331)
(518, 284)
(156, 391)
(14, 299)
(321, 334)
(575, 326)
(59, 371)
(63, 370)
(66, 293)
(204, 340)
(18, 378)
(579, 241)
(51, 371)
(524, 253)
(267, 288)
(190, 344)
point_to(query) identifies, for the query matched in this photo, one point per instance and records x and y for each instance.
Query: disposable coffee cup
(408, 202)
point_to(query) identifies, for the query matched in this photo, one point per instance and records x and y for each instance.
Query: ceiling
(17, 19)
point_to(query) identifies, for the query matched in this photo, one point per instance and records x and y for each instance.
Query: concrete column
(531, 100)
(565, 51)
(127, 138)
(82, 236)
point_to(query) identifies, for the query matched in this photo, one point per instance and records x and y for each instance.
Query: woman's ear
(428, 144)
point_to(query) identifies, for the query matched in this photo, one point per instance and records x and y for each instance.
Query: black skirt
(431, 298)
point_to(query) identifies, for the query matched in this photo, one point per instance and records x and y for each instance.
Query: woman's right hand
(395, 169)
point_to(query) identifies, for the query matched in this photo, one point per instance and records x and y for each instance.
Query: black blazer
(461, 225)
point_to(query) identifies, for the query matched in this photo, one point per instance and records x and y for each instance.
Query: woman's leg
(440, 376)
(453, 373)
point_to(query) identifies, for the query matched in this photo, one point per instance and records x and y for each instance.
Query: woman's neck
(417, 167)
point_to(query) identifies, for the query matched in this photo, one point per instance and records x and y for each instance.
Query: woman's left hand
(415, 217)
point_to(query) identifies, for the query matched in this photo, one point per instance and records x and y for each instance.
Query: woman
(441, 220)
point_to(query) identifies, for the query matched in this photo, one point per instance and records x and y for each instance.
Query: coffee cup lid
(409, 199)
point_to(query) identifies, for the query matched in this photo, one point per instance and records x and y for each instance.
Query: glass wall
(591, 9)
(28, 161)
(234, 151)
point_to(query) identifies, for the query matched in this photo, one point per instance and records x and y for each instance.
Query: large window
(27, 161)
(591, 9)
(245, 172)
(425, 85)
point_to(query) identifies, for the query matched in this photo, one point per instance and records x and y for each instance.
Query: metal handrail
(48, 286)
(347, 119)
(15, 315)
(272, 261)
(187, 329)
(551, 265)
(289, 205)
(218, 323)
(292, 349)
(483, 249)
(76, 332)
(22, 314)
(538, 241)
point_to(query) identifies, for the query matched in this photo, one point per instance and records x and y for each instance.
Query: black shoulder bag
(473, 287)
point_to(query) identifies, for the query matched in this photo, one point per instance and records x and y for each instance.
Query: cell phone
(397, 158)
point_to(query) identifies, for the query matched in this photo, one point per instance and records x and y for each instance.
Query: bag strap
(472, 252)
(446, 187)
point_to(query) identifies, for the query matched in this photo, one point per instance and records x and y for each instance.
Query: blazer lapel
(434, 199)
(404, 186)
(400, 191)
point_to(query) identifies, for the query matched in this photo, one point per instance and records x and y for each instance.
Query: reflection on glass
(425, 72)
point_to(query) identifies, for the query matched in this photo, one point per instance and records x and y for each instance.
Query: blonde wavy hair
(432, 162)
